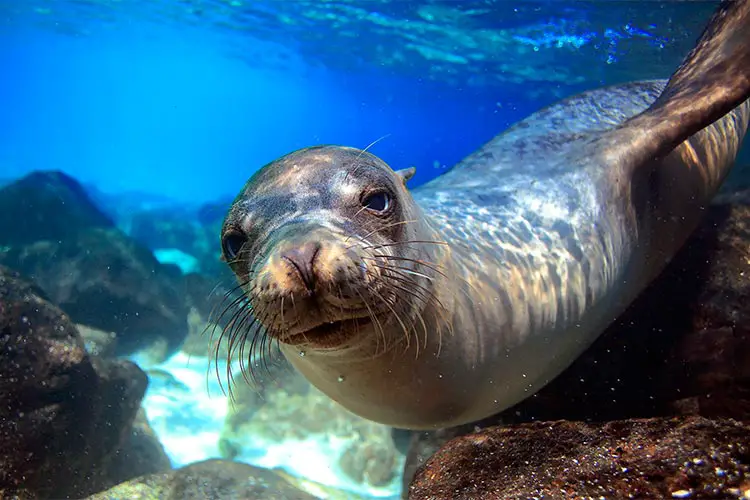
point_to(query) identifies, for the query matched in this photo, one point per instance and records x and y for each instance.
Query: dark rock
(63, 413)
(369, 461)
(140, 454)
(194, 231)
(89, 268)
(686, 457)
(424, 444)
(106, 281)
(170, 227)
(98, 342)
(51, 205)
(215, 479)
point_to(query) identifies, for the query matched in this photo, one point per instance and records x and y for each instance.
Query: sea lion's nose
(302, 258)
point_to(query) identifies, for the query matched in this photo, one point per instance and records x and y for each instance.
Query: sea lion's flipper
(713, 80)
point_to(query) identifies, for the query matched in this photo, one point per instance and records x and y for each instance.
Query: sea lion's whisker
(424, 328)
(253, 332)
(404, 270)
(398, 316)
(419, 291)
(233, 288)
(254, 323)
(238, 339)
(229, 330)
(395, 274)
(234, 302)
(340, 298)
(294, 306)
(392, 224)
(296, 315)
(376, 322)
(269, 339)
(363, 151)
(442, 311)
(430, 265)
(263, 334)
(363, 239)
(236, 332)
(406, 242)
(241, 258)
(425, 301)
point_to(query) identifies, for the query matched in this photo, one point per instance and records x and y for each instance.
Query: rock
(685, 457)
(140, 454)
(193, 231)
(88, 267)
(371, 460)
(425, 444)
(172, 227)
(52, 205)
(216, 479)
(63, 413)
(98, 342)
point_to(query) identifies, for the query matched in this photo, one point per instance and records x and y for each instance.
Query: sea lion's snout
(310, 286)
(302, 260)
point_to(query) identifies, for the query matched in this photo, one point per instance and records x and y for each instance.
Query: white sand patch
(186, 408)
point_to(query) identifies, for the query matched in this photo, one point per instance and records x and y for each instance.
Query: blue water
(153, 109)
(187, 99)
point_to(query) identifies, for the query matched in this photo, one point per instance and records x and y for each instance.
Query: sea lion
(453, 302)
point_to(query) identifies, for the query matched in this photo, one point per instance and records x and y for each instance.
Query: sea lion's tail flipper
(713, 80)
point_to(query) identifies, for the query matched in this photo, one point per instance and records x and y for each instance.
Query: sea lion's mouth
(329, 334)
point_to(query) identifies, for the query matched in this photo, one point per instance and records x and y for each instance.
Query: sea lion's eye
(379, 201)
(232, 243)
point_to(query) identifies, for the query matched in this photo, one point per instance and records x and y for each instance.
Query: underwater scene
(374, 249)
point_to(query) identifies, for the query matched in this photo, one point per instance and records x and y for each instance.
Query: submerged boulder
(64, 414)
(192, 232)
(97, 274)
(46, 206)
(217, 479)
(140, 454)
(686, 457)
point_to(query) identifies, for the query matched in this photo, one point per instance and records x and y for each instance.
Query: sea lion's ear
(406, 173)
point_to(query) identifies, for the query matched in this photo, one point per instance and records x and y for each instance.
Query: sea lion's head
(326, 243)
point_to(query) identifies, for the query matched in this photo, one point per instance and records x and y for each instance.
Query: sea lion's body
(552, 242)
(546, 234)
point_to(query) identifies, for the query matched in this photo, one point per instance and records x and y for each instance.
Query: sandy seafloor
(186, 409)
